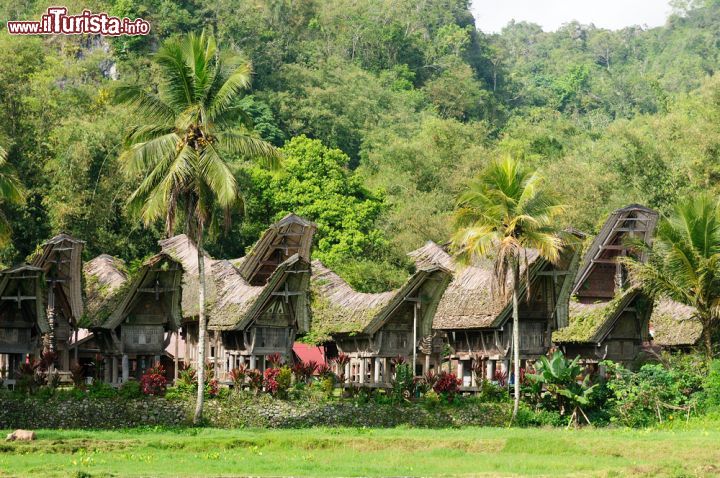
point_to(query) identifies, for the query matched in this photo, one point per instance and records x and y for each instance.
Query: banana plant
(560, 379)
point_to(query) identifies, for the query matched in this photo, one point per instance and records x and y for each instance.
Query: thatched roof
(61, 256)
(339, 309)
(25, 280)
(289, 236)
(469, 301)
(239, 303)
(183, 250)
(104, 275)
(237, 289)
(591, 323)
(160, 274)
(618, 224)
(674, 324)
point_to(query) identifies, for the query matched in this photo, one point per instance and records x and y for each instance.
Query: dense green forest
(382, 108)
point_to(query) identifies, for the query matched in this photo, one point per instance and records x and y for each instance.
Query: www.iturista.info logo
(57, 21)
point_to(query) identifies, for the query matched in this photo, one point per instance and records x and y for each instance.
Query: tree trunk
(707, 340)
(202, 327)
(516, 336)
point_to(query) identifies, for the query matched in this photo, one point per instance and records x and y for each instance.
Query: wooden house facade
(24, 327)
(60, 259)
(608, 316)
(134, 321)
(477, 323)
(258, 304)
(372, 329)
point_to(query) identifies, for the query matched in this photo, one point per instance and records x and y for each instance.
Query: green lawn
(366, 452)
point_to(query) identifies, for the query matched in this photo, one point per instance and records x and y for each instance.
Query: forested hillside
(383, 110)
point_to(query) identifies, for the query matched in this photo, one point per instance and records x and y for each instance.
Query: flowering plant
(153, 381)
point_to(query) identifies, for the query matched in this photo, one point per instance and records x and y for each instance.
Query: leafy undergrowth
(188, 452)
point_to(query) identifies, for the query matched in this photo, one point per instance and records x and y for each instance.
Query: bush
(711, 386)
(130, 390)
(447, 385)
(652, 394)
(270, 380)
(284, 380)
(403, 383)
(100, 389)
(153, 381)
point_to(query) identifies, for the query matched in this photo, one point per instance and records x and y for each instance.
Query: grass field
(365, 452)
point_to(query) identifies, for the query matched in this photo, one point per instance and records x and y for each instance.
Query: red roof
(306, 353)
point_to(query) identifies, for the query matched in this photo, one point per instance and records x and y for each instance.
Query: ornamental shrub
(447, 385)
(255, 380)
(270, 380)
(153, 381)
(100, 389)
(403, 384)
(284, 381)
(130, 390)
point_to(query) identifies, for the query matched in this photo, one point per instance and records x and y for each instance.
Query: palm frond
(250, 147)
(237, 81)
(177, 84)
(149, 105)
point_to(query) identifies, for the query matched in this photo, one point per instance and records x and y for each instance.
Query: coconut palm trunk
(202, 330)
(707, 339)
(516, 334)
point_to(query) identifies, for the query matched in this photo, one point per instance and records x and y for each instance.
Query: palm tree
(503, 213)
(189, 131)
(11, 192)
(684, 261)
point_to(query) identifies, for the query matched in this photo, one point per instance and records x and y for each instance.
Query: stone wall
(105, 413)
(240, 412)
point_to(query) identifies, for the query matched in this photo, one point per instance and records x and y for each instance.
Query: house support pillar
(427, 363)
(376, 370)
(125, 368)
(253, 363)
(114, 370)
(362, 371)
(347, 372)
(490, 369)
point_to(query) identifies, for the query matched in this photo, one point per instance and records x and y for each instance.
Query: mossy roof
(590, 323)
(338, 309)
(674, 324)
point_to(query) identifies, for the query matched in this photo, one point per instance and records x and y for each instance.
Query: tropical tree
(559, 377)
(189, 133)
(504, 212)
(684, 261)
(11, 192)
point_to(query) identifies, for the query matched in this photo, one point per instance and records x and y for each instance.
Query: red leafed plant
(238, 375)
(255, 379)
(398, 360)
(447, 384)
(501, 378)
(430, 378)
(275, 360)
(323, 370)
(153, 381)
(212, 388)
(341, 361)
(270, 380)
(304, 370)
